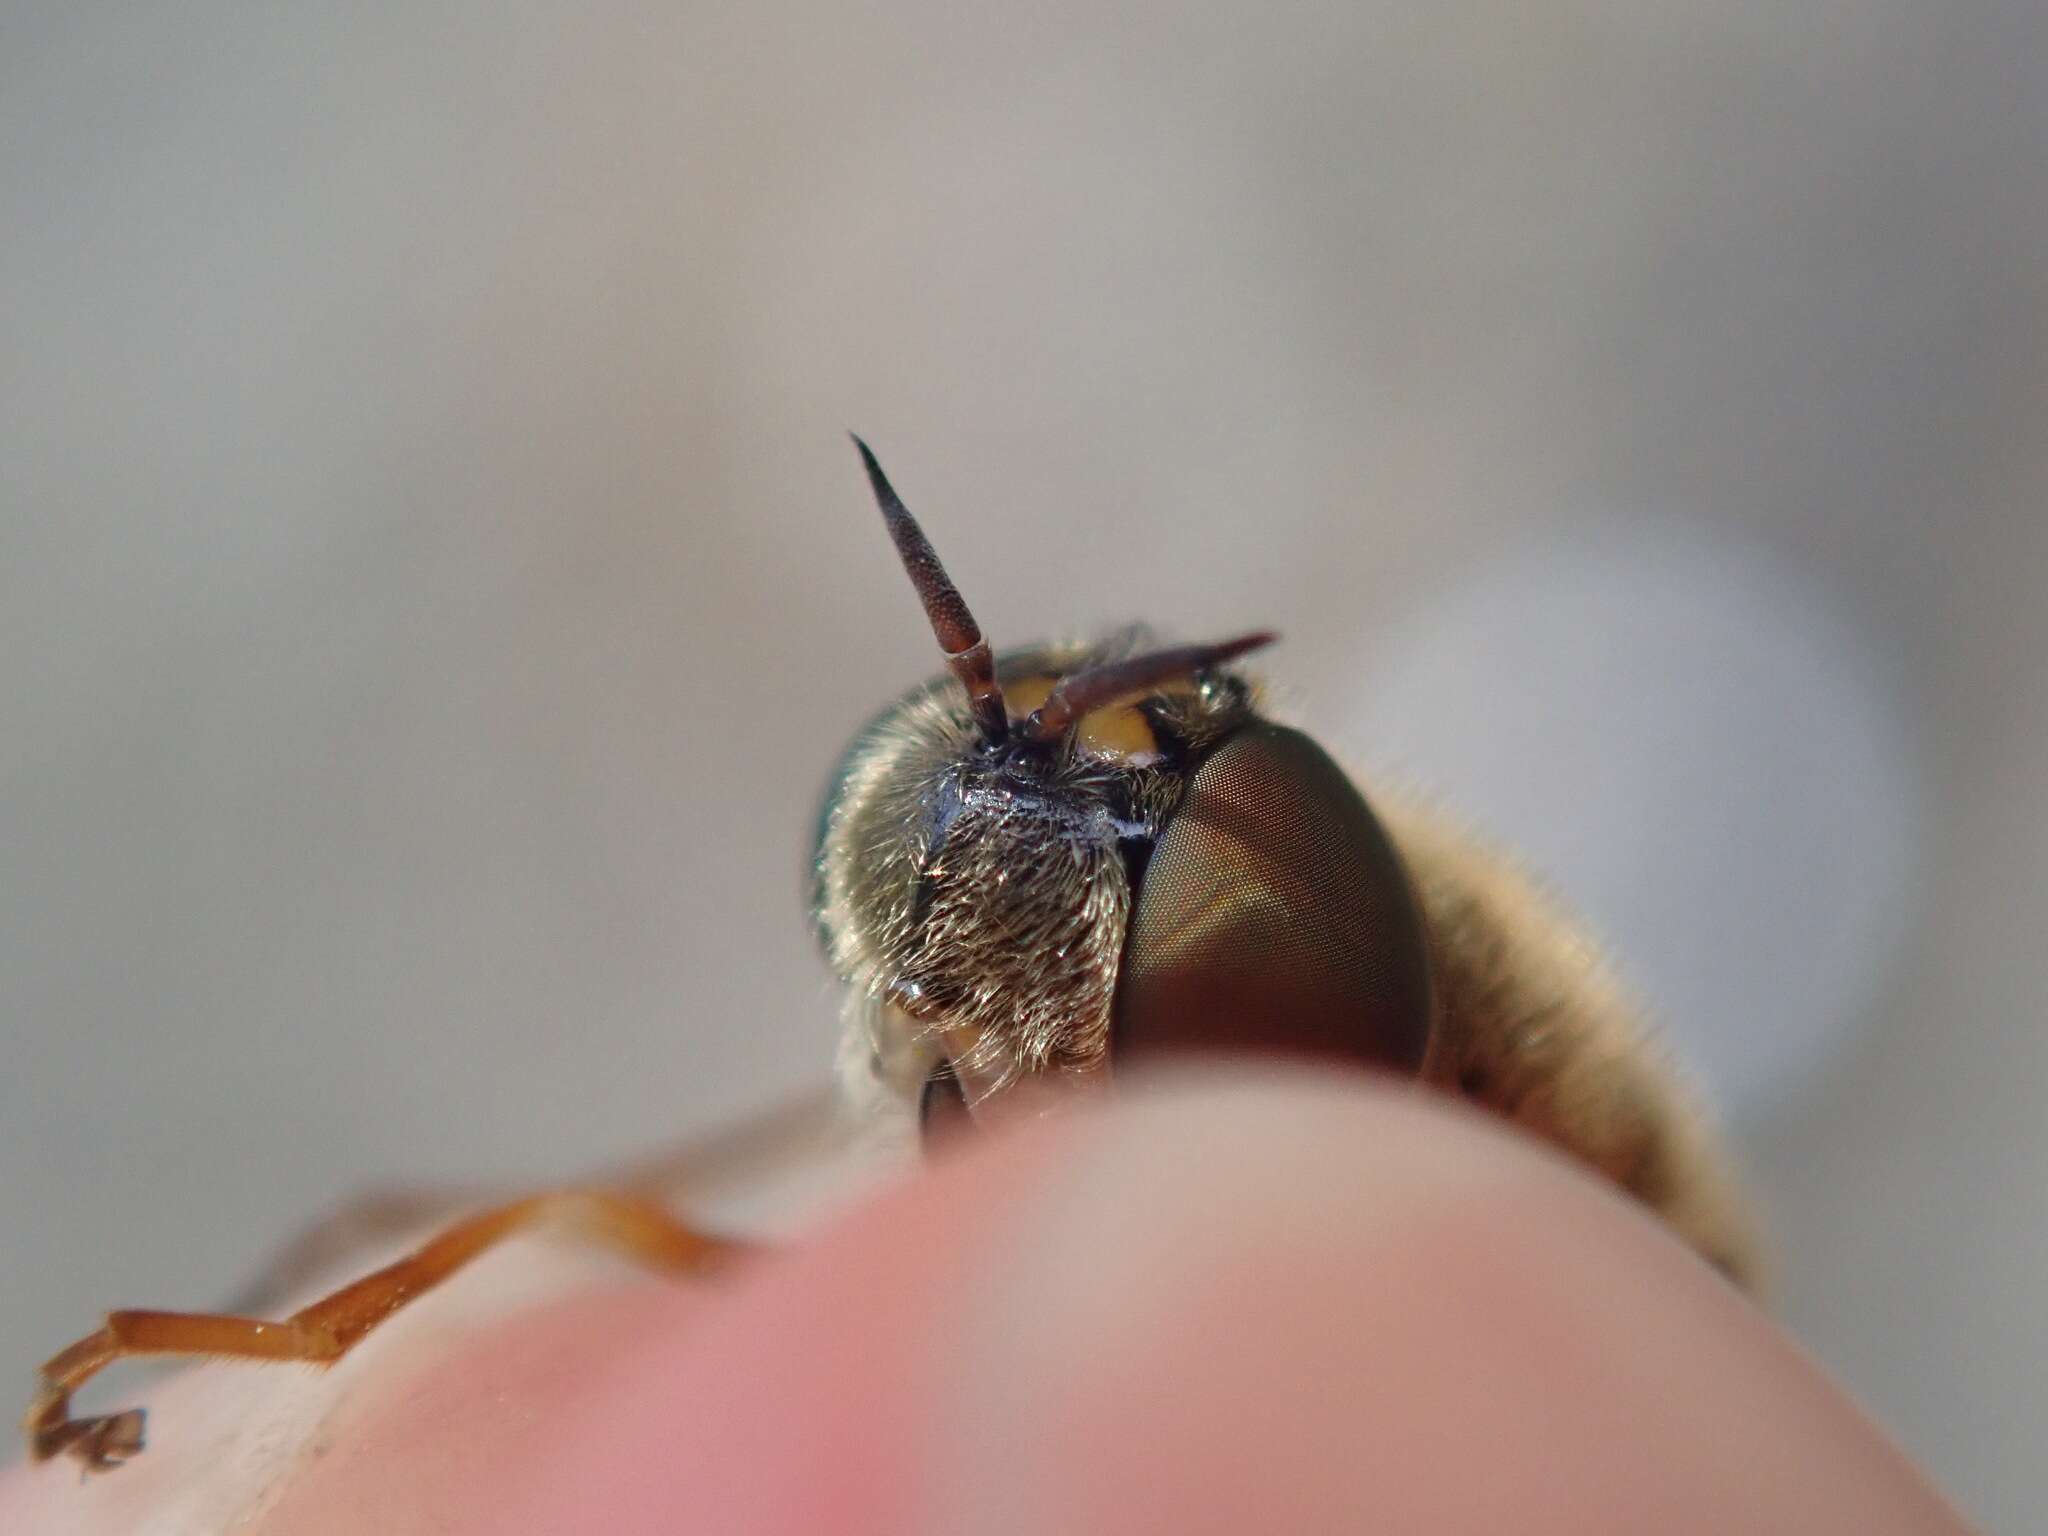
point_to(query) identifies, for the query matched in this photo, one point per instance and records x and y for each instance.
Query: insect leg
(323, 1332)
(380, 1218)
(729, 1157)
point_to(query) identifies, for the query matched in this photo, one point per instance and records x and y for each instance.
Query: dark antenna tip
(959, 637)
(876, 478)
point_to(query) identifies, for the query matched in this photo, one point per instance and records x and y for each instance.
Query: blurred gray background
(434, 580)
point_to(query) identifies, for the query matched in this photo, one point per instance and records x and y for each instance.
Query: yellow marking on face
(1121, 731)
(1118, 731)
(1026, 694)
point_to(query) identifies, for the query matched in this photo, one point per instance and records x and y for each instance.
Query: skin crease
(1304, 1304)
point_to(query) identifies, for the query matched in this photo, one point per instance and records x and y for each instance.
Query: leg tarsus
(99, 1443)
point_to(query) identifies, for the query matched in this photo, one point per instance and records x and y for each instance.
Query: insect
(1040, 868)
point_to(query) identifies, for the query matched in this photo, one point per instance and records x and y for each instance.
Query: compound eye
(1275, 917)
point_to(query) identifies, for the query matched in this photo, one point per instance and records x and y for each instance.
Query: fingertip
(1321, 1305)
(1292, 1305)
(1285, 1306)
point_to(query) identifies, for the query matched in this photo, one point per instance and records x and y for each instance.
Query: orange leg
(731, 1156)
(379, 1219)
(323, 1332)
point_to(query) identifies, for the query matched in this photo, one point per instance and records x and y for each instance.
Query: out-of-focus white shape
(1694, 748)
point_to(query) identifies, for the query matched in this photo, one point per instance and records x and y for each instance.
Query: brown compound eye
(1275, 917)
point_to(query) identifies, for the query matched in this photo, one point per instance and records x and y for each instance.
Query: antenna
(1075, 695)
(959, 636)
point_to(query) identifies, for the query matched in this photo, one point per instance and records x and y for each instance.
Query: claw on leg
(98, 1443)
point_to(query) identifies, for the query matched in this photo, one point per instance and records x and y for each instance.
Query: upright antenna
(959, 636)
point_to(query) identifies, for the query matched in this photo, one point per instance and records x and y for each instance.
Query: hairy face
(977, 896)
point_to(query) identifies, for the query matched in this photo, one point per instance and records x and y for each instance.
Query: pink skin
(1301, 1306)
